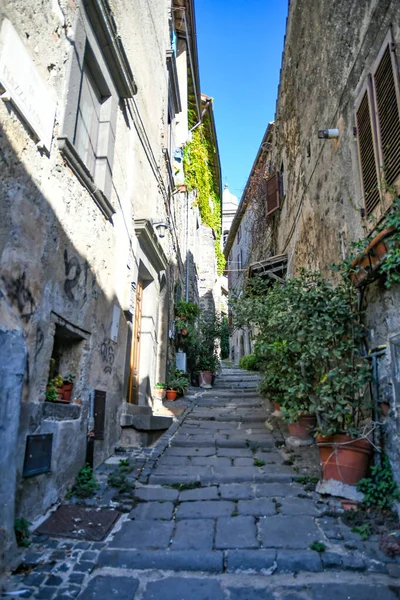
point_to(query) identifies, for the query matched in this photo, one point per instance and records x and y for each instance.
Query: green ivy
(198, 175)
(380, 489)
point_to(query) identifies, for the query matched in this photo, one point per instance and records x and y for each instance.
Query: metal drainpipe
(187, 249)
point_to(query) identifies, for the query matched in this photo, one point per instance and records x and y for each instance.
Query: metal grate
(367, 156)
(389, 118)
(79, 522)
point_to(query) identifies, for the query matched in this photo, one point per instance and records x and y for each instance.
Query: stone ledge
(52, 411)
(176, 560)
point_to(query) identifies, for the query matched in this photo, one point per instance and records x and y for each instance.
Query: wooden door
(133, 388)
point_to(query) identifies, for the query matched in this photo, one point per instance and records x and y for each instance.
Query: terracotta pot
(304, 427)
(184, 332)
(371, 258)
(171, 394)
(159, 393)
(277, 406)
(66, 391)
(344, 458)
(205, 378)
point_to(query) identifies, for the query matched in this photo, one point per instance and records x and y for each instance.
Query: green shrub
(380, 489)
(22, 534)
(85, 483)
(250, 362)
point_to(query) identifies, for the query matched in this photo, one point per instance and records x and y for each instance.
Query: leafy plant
(119, 480)
(160, 385)
(187, 310)
(51, 394)
(257, 462)
(318, 547)
(391, 264)
(57, 381)
(363, 530)
(379, 489)
(69, 378)
(85, 483)
(308, 340)
(22, 534)
(177, 380)
(250, 362)
(125, 465)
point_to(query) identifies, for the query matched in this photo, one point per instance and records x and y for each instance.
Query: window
(239, 261)
(272, 188)
(99, 75)
(239, 232)
(378, 132)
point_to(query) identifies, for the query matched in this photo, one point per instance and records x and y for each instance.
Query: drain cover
(79, 522)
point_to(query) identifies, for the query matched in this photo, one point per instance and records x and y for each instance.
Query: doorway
(133, 386)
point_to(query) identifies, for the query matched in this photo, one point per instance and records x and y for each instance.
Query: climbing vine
(198, 175)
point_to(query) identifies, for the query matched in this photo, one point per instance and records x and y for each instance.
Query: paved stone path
(216, 515)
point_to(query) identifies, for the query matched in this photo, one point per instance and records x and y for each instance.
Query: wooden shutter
(369, 174)
(272, 192)
(388, 116)
(99, 414)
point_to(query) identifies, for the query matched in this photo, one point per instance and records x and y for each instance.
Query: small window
(272, 186)
(239, 261)
(239, 233)
(378, 132)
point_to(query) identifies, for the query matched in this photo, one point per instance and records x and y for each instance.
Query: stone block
(290, 561)
(205, 509)
(152, 510)
(143, 534)
(357, 591)
(176, 560)
(173, 588)
(247, 593)
(277, 490)
(153, 493)
(110, 586)
(250, 561)
(205, 493)
(257, 507)
(298, 506)
(193, 534)
(280, 531)
(236, 532)
(235, 491)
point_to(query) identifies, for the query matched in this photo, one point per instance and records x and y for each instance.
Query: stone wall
(68, 272)
(329, 51)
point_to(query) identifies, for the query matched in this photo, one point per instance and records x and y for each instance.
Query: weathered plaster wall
(61, 260)
(329, 50)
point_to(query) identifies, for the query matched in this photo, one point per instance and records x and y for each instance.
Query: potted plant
(187, 311)
(160, 390)
(309, 339)
(206, 366)
(68, 382)
(181, 326)
(177, 383)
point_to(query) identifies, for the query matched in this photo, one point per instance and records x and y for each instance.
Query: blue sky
(240, 50)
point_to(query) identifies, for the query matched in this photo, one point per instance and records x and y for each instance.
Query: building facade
(97, 229)
(334, 172)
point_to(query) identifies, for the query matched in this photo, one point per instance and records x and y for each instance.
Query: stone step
(146, 422)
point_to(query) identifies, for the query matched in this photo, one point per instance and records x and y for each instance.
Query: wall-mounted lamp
(328, 134)
(162, 228)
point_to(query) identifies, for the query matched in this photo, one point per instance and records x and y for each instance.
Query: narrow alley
(213, 514)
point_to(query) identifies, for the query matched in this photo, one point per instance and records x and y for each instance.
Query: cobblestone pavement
(214, 514)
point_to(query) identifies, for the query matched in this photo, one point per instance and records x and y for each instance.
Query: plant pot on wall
(159, 393)
(303, 428)
(66, 391)
(371, 258)
(344, 458)
(171, 394)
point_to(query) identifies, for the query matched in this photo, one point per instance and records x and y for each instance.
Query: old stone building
(97, 232)
(327, 189)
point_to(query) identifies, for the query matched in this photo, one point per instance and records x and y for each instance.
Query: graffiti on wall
(107, 355)
(75, 286)
(20, 295)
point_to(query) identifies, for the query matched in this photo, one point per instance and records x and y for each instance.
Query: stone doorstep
(146, 422)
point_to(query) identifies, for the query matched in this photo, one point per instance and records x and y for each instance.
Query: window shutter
(367, 155)
(272, 193)
(388, 117)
